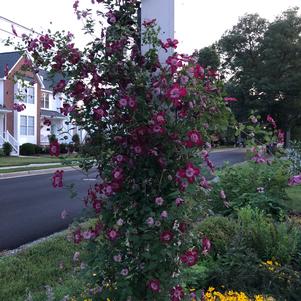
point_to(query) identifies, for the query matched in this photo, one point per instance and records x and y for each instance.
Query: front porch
(5, 135)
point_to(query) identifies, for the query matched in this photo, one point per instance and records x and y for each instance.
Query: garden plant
(149, 124)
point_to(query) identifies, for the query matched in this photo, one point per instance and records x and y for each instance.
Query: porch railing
(13, 142)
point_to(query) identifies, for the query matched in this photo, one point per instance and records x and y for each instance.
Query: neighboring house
(28, 125)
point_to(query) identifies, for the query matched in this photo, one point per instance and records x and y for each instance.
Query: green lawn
(17, 161)
(49, 263)
(4, 171)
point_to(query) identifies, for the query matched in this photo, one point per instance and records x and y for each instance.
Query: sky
(199, 23)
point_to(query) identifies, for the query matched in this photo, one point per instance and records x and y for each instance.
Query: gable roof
(49, 81)
(9, 59)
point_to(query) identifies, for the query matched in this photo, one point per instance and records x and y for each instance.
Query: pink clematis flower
(271, 121)
(159, 201)
(176, 92)
(190, 172)
(154, 285)
(57, 179)
(166, 236)
(190, 257)
(54, 148)
(194, 139)
(177, 293)
(112, 234)
(206, 245)
(230, 99)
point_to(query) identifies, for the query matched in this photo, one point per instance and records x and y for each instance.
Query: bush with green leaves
(252, 253)
(259, 185)
(27, 149)
(7, 148)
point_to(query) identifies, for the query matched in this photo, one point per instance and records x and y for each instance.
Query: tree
(280, 81)
(240, 53)
(208, 57)
(264, 61)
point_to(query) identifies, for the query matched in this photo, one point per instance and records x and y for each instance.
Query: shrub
(7, 148)
(252, 253)
(259, 185)
(38, 149)
(64, 148)
(27, 149)
(219, 230)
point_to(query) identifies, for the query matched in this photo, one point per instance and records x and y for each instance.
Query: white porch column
(164, 12)
(2, 129)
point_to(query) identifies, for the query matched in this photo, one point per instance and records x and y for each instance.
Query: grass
(49, 263)
(19, 161)
(17, 169)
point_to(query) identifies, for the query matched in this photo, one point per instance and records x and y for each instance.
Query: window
(26, 94)
(45, 100)
(27, 125)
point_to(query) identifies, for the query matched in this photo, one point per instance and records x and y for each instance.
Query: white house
(28, 124)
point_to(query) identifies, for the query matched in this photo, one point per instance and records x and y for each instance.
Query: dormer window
(45, 100)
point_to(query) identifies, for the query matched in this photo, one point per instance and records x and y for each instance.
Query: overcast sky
(198, 23)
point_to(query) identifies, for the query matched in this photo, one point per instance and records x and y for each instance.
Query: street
(31, 208)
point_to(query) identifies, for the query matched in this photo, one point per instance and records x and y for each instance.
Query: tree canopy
(262, 61)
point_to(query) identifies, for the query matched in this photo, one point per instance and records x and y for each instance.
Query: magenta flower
(204, 183)
(177, 293)
(179, 201)
(150, 221)
(176, 92)
(97, 205)
(57, 179)
(159, 201)
(117, 258)
(124, 272)
(112, 234)
(230, 99)
(190, 257)
(190, 172)
(154, 285)
(164, 214)
(271, 121)
(19, 107)
(54, 148)
(166, 236)
(194, 139)
(148, 23)
(206, 245)
(77, 236)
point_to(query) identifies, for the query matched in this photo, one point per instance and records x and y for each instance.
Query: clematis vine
(148, 127)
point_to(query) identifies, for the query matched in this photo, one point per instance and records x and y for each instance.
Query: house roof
(52, 114)
(48, 80)
(9, 59)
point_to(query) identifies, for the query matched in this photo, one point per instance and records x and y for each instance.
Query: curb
(28, 173)
(240, 149)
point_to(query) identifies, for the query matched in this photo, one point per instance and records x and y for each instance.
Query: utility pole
(164, 13)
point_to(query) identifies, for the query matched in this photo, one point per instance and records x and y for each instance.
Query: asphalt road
(30, 208)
